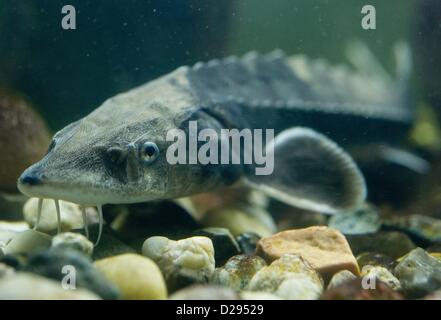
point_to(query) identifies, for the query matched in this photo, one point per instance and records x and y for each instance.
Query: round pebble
(137, 277)
(183, 262)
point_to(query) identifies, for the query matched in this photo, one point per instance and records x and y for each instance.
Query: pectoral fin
(311, 172)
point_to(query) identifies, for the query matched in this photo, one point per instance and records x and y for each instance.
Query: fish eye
(149, 152)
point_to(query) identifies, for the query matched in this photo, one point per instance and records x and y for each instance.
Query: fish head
(118, 160)
(90, 162)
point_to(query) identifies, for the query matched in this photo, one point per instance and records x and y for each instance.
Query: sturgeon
(116, 154)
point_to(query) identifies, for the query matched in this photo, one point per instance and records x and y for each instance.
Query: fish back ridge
(296, 82)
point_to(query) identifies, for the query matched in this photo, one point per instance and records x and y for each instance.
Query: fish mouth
(38, 188)
(34, 183)
(54, 190)
(87, 194)
(35, 186)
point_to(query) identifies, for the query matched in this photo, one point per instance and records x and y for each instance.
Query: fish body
(313, 108)
(273, 90)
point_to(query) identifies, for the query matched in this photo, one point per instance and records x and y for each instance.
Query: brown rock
(436, 295)
(325, 249)
(20, 126)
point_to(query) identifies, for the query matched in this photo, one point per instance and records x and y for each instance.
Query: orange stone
(324, 248)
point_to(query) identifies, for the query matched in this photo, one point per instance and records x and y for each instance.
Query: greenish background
(122, 44)
(319, 28)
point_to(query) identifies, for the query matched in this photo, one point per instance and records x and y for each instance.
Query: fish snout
(30, 178)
